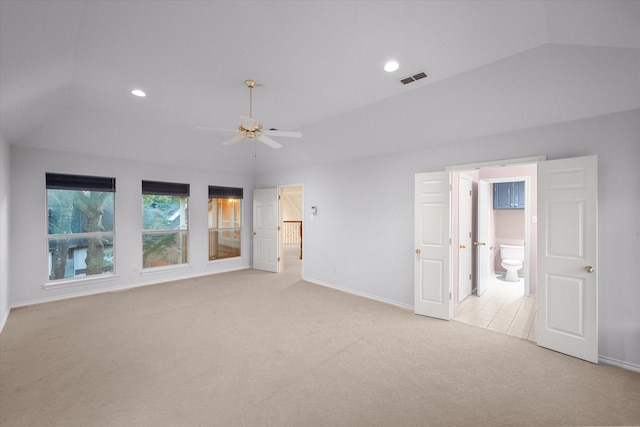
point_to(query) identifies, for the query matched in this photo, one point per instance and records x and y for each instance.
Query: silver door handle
(589, 269)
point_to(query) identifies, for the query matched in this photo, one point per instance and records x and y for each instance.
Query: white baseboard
(4, 319)
(118, 288)
(362, 294)
(619, 363)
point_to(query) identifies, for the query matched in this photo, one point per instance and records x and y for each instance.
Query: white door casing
(482, 242)
(567, 293)
(465, 248)
(432, 245)
(265, 230)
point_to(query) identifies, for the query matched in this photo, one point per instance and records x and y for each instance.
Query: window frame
(171, 189)
(231, 194)
(79, 183)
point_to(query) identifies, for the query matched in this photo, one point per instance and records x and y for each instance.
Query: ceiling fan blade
(270, 142)
(225, 130)
(234, 139)
(287, 133)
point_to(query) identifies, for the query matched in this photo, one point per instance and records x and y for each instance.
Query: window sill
(230, 260)
(164, 269)
(79, 282)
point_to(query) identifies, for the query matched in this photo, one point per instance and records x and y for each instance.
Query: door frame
(481, 238)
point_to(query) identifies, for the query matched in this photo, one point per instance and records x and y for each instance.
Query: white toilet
(512, 259)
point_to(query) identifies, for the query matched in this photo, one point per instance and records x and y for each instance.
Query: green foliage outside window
(164, 224)
(80, 228)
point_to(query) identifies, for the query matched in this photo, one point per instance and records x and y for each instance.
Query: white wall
(28, 257)
(362, 239)
(5, 304)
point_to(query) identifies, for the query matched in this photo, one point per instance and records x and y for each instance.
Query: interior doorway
(292, 226)
(566, 232)
(506, 306)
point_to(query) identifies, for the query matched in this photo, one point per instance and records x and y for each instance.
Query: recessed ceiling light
(138, 92)
(391, 66)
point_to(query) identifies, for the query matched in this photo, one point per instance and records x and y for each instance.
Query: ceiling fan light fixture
(391, 66)
(254, 130)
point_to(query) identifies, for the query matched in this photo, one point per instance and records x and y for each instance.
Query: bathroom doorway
(495, 303)
(566, 231)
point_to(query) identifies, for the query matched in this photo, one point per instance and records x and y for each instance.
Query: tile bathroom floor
(502, 308)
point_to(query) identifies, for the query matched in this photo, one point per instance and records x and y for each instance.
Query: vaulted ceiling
(67, 69)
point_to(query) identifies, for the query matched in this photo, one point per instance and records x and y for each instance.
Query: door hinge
(469, 276)
(278, 228)
(449, 295)
(278, 259)
(278, 197)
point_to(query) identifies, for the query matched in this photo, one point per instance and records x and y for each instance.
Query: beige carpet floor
(250, 348)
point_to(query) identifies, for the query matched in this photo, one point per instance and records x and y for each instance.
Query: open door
(432, 242)
(567, 294)
(482, 250)
(265, 230)
(465, 249)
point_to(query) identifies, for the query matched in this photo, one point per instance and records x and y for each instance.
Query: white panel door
(432, 253)
(567, 296)
(465, 208)
(265, 229)
(482, 249)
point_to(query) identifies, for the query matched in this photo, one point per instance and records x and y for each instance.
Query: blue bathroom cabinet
(508, 195)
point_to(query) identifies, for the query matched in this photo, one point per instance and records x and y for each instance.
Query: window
(164, 223)
(80, 225)
(225, 225)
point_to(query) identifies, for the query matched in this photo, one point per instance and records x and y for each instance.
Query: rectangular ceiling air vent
(415, 77)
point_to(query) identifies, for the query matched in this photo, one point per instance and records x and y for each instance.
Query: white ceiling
(67, 69)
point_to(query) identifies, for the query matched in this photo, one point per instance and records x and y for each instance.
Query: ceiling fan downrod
(250, 84)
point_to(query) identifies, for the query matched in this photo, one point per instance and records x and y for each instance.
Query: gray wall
(5, 303)
(363, 236)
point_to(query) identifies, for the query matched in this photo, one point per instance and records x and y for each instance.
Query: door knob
(589, 269)
(479, 243)
(417, 251)
(463, 247)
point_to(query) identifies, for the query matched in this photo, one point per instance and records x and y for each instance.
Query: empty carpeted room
(286, 213)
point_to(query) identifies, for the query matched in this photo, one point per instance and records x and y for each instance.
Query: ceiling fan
(255, 130)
